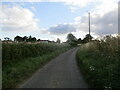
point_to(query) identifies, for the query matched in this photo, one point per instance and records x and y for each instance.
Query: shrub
(99, 62)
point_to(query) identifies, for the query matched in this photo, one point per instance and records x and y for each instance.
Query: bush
(99, 62)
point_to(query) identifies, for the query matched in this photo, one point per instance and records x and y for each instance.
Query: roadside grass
(16, 71)
(99, 62)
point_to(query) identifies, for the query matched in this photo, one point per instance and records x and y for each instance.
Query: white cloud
(103, 19)
(73, 9)
(100, 24)
(80, 3)
(21, 0)
(17, 19)
(104, 5)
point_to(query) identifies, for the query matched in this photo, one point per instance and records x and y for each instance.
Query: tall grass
(99, 61)
(21, 60)
(14, 52)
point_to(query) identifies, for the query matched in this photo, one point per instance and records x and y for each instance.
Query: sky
(52, 19)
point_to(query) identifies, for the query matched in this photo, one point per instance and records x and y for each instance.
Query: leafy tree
(79, 41)
(25, 38)
(58, 40)
(71, 37)
(7, 39)
(72, 40)
(38, 40)
(33, 39)
(87, 38)
(29, 39)
(18, 39)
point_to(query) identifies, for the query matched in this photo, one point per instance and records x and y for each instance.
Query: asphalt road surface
(61, 72)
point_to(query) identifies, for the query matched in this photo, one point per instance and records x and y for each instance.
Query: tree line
(25, 39)
(29, 39)
(71, 39)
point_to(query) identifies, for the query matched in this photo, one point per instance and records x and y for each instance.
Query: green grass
(15, 71)
(16, 51)
(99, 61)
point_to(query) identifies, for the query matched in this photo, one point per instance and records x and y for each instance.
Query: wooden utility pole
(89, 24)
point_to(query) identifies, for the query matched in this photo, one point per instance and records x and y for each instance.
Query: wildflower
(91, 68)
(108, 88)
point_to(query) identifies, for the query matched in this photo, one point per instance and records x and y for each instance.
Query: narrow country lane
(62, 72)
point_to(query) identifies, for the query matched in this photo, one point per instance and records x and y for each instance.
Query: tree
(38, 40)
(71, 37)
(25, 38)
(58, 40)
(18, 39)
(33, 39)
(79, 41)
(72, 40)
(87, 37)
(29, 38)
(7, 39)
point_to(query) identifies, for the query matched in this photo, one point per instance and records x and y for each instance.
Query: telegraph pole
(89, 25)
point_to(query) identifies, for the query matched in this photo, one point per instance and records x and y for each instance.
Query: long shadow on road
(61, 72)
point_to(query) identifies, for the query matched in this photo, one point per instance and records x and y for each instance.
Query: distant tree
(87, 37)
(33, 39)
(18, 39)
(52, 41)
(58, 40)
(25, 38)
(38, 40)
(7, 39)
(29, 38)
(79, 41)
(71, 39)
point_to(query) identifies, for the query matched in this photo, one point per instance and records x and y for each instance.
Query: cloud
(104, 5)
(62, 29)
(73, 9)
(103, 19)
(17, 19)
(100, 24)
(20, 0)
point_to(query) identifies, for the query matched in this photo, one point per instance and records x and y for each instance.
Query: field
(99, 62)
(20, 61)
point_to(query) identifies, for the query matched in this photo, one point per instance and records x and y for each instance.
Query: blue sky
(51, 13)
(46, 15)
